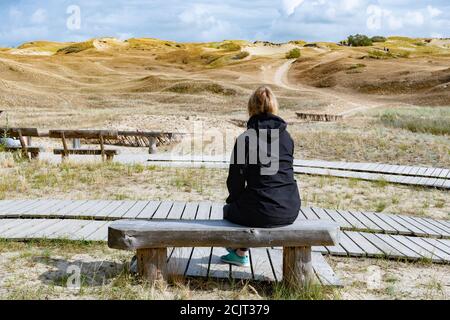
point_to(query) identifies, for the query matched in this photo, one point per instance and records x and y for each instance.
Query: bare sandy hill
(152, 76)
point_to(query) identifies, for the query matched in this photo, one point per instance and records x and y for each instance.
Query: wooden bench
(109, 154)
(22, 134)
(152, 238)
(33, 151)
(100, 135)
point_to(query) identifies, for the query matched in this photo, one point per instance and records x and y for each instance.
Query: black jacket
(263, 200)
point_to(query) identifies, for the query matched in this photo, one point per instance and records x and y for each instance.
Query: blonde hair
(263, 100)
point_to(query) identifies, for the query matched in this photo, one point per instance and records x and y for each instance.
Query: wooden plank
(97, 206)
(70, 230)
(444, 173)
(178, 261)
(101, 234)
(364, 244)
(122, 210)
(406, 242)
(388, 250)
(378, 220)
(401, 228)
(407, 252)
(29, 231)
(324, 272)
(217, 211)
(438, 231)
(82, 211)
(430, 248)
(4, 204)
(8, 224)
(276, 262)
(133, 234)
(338, 218)
(163, 210)
(261, 265)
(204, 210)
(176, 212)
(190, 211)
(24, 225)
(444, 242)
(54, 210)
(148, 212)
(352, 248)
(438, 244)
(310, 215)
(89, 229)
(439, 224)
(419, 229)
(199, 263)
(356, 224)
(11, 210)
(322, 214)
(78, 203)
(106, 211)
(42, 209)
(369, 224)
(44, 233)
(337, 250)
(17, 212)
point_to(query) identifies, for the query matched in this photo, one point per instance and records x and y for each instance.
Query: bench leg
(152, 264)
(35, 155)
(297, 267)
(109, 157)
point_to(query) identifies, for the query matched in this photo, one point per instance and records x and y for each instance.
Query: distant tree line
(360, 40)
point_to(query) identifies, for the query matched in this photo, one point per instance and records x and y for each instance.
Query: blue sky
(184, 20)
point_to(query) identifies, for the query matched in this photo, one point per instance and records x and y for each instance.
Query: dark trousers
(226, 210)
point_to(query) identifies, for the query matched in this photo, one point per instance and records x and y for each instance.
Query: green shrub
(359, 40)
(378, 39)
(230, 46)
(294, 54)
(241, 55)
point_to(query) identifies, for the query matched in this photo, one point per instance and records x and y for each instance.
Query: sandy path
(280, 78)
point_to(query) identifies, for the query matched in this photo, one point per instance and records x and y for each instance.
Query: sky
(201, 21)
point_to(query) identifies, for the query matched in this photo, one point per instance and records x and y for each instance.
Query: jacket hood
(266, 121)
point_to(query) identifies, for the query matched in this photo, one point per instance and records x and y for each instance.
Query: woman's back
(264, 193)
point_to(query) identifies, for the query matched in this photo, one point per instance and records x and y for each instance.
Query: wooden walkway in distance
(365, 234)
(407, 175)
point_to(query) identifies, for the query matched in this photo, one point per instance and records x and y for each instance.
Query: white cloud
(394, 22)
(414, 18)
(434, 12)
(207, 26)
(289, 6)
(350, 5)
(39, 16)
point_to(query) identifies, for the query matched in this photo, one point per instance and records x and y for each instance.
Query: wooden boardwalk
(365, 234)
(407, 175)
(111, 210)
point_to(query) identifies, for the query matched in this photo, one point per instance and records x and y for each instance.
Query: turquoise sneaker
(234, 259)
(230, 250)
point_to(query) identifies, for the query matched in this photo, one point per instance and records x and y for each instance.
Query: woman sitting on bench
(260, 196)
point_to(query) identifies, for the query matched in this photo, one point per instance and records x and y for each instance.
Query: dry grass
(39, 270)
